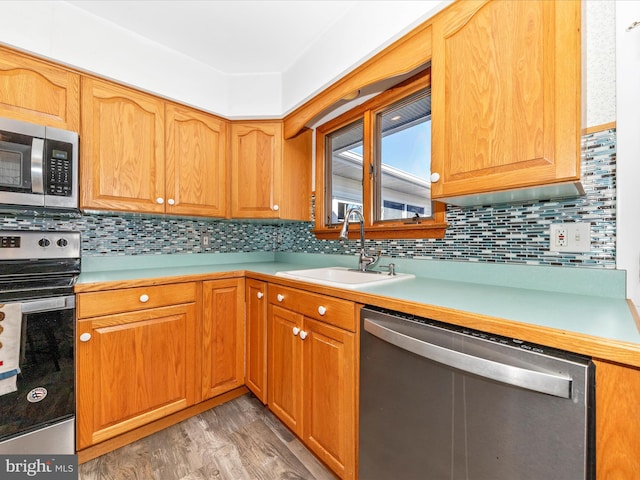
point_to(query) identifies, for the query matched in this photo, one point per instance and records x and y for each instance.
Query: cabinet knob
(85, 337)
(280, 297)
(171, 201)
(322, 310)
(296, 330)
(303, 334)
(260, 294)
(435, 177)
(275, 208)
(144, 298)
(159, 200)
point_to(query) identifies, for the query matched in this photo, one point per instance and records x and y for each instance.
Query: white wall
(628, 147)
(64, 33)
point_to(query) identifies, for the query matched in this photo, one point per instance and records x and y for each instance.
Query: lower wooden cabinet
(256, 338)
(222, 336)
(134, 366)
(312, 373)
(617, 421)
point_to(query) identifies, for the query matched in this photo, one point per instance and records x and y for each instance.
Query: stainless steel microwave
(38, 165)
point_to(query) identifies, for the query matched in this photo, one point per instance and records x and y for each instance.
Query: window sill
(386, 231)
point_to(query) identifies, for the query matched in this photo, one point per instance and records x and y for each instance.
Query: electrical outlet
(570, 237)
(205, 240)
(559, 238)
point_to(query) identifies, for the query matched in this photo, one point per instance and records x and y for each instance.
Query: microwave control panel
(59, 168)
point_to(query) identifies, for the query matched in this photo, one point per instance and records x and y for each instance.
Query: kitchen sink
(344, 277)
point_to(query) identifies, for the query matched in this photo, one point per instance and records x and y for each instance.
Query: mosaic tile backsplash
(517, 234)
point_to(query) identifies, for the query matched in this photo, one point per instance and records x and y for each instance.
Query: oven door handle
(37, 165)
(49, 304)
(552, 384)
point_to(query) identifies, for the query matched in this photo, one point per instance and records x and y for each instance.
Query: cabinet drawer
(334, 311)
(130, 299)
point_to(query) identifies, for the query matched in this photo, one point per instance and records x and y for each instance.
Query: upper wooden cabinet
(38, 92)
(128, 164)
(196, 163)
(270, 176)
(506, 96)
(122, 149)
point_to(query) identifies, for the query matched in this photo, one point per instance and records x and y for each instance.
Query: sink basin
(344, 277)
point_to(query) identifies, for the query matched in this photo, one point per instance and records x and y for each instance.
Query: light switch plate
(570, 237)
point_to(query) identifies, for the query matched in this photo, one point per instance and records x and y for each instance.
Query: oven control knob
(85, 337)
(62, 242)
(44, 242)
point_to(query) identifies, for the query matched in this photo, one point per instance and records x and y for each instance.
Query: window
(378, 157)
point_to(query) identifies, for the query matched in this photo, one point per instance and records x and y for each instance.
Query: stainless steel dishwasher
(444, 402)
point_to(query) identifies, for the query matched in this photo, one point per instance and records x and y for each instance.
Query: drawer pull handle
(322, 310)
(296, 330)
(85, 337)
(260, 294)
(280, 297)
(303, 334)
(144, 298)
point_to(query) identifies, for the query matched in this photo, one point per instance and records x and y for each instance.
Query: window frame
(433, 227)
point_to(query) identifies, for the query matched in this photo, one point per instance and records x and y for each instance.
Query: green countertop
(584, 301)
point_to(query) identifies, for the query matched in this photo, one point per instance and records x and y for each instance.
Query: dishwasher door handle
(557, 385)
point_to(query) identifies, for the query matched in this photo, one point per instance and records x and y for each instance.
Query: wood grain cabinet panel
(256, 338)
(222, 336)
(312, 376)
(38, 92)
(506, 96)
(329, 383)
(617, 421)
(133, 368)
(142, 154)
(270, 177)
(196, 163)
(122, 149)
(285, 367)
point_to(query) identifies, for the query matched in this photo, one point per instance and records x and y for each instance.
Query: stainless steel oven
(37, 332)
(38, 165)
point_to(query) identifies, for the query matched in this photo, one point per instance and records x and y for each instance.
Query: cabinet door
(135, 368)
(285, 366)
(329, 391)
(617, 421)
(256, 170)
(506, 96)
(37, 92)
(196, 174)
(222, 336)
(256, 343)
(121, 149)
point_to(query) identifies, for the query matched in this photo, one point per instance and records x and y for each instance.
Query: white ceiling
(235, 37)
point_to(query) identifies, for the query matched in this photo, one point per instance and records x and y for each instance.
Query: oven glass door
(45, 384)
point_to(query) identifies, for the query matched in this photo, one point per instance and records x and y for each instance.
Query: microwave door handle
(37, 166)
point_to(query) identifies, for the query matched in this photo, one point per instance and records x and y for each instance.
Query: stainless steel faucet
(365, 261)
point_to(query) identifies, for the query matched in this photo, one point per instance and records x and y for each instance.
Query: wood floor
(239, 440)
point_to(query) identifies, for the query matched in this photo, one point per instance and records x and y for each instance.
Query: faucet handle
(391, 267)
